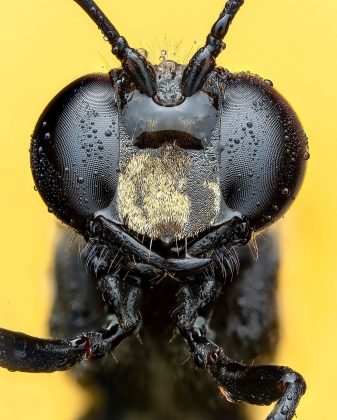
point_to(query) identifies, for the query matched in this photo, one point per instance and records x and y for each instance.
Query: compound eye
(264, 150)
(75, 150)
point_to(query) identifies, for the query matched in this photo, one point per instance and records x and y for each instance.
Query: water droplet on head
(285, 191)
(163, 55)
(47, 136)
(143, 52)
(269, 82)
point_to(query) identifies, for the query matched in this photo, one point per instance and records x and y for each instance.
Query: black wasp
(166, 173)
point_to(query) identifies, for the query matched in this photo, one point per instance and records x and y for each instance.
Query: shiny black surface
(260, 147)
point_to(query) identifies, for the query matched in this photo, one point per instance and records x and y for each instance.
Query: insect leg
(238, 382)
(31, 354)
(124, 297)
(259, 385)
(24, 353)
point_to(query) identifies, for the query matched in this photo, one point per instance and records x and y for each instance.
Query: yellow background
(46, 44)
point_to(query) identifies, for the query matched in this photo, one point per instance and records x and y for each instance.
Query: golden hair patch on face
(152, 197)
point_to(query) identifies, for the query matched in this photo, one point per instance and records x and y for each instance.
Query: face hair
(142, 73)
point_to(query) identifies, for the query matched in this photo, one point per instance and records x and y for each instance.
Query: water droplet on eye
(249, 124)
(268, 218)
(66, 169)
(44, 124)
(285, 191)
(237, 141)
(269, 82)
(80, 180)
(108, 133)
(50, 209)
(100, 147)
(47, 136)
(306, 156)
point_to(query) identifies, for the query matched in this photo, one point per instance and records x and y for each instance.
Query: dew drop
(163, 55)
(285, 191)
(143, 52)
(80, 180)
(249, 124)
(306, 156)
(285, 410)
(47, 136)
(269, 82)
(108, 133)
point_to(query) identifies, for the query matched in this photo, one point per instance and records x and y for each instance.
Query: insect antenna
(203, 62)
(134, 64)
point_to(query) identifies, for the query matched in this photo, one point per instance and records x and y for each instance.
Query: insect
(168, 173)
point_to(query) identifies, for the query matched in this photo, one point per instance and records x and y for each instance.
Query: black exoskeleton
(166, 173)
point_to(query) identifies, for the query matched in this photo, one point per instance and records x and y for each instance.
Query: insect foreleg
(259, 385)
(21, 352)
